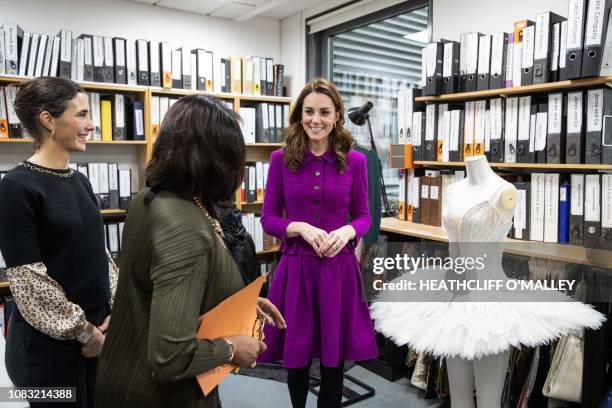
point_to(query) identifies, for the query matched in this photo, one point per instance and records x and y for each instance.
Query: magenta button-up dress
(321, 298)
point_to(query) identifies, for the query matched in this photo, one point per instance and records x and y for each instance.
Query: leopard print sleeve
(42, 302)
(113, 276)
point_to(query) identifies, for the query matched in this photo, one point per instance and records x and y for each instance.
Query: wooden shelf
(95, 86)
(269, 251)
(220, 95)
(558, 252)
(528, 89)
(93, 142)
(4, 284)
(521, 165)
(251, 203)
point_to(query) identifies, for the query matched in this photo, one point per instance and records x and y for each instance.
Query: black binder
(137, 120)
(417, 132)
(574, 148)
(142, 58)
(125, 188)
(450, 68)
(523, 153)
(455, 152)
(108, 70)
(594, 125)
(592, 210)
(575, 33)
(65, 64)
(429, 152)
(520, 228)
(154, 64)
(541, 132)
(546, 50)
(606, 129)
(113, 185)
(527, 53)
(606, 211)
(497, 129)
(120, 65)
(555, 139)
(88, 69)
(469, 53)
(595, 36)
(499, 53)
(484, 62)
(433, 81)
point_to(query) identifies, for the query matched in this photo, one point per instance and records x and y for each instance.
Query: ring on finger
(253, 364)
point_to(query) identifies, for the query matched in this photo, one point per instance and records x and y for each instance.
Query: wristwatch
(85, 333)
(231, 346)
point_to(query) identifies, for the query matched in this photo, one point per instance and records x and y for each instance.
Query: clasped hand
(327, 244)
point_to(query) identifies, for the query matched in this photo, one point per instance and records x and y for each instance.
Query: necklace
(214, 222)
(35, 167)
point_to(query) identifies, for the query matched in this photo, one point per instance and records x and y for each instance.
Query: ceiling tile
(233, 10)
(194, 6)
(151, 2)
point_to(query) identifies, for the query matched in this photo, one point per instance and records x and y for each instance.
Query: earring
(53, 134)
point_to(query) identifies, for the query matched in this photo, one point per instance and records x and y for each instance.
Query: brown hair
(38, 95)
(199, 152)
(296, 139)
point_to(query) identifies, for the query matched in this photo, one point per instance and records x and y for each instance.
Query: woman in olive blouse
(175, 266)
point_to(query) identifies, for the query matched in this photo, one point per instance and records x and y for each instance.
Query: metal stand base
(352, 396)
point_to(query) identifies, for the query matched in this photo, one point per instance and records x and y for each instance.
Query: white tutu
(451, 323)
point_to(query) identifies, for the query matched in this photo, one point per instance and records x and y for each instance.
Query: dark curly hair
(199, 152)
(296, 139)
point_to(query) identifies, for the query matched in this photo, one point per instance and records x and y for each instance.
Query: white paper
(592, 196)
(575, 15)
(528, 39)
(447, 64)
(430, 129)
(595, 23)
(497, 54)
(595, 110)
(563, 47)
(524, 117)
(540, 132)
(496, 118)
(541, 36)
(577, 194)
(484, 54)
(555, 113)
(574, 112)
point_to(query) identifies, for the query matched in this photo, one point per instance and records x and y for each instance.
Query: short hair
(38, 95)
(199, 152)
(296, 139)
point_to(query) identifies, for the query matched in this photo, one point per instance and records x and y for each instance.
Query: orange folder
(234, 316)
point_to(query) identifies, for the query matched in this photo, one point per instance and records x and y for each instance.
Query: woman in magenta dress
(316, 202)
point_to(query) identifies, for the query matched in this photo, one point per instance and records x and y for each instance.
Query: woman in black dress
(52, 239)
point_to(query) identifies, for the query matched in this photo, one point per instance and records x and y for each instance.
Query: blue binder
(564, 212)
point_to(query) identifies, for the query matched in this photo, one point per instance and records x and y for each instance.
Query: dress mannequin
(487, 373)
(475, 336)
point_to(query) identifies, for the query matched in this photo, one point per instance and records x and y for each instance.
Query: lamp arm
(382, 179)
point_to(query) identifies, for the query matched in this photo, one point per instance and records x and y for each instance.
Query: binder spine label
(575, 24)
(511, 128)
(119, 111)
(480, 122)
(509, 61)
(108, 52)
(143, 56)
(447, 65)
(577, 194)
(496, 118)
(574, 112)
(487, 131)
(98, 49)
(606, 200)
(528, 43)
(591, 198)
(139, 122)
(594, 110)
(11, 93)
(524, 117)
(120, 45)
(594, 24)
(431, 58)
(430, 130)
(66, 49)
(563, 45)
(417, 125)
(11, 43)
(540, 131)
(541, 37)
(532, 133)
(520, 214)
(455, 121)
(555, 112)
(554, 61)
(446, 135)
(497, 53)
(472, 63)
(484, 57)
(88, 56)
(463, 46)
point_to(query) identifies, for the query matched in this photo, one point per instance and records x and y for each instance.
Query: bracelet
(231, 346)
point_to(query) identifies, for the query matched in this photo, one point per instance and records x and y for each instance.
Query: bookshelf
(519, 90)
(559, 252)
(545, 166)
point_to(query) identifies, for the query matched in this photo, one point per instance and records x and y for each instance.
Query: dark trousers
(34, 359)
(330, 393)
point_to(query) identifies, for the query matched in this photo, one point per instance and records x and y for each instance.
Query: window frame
(319, 45)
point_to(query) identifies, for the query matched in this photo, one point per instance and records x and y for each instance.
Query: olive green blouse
(173, 269)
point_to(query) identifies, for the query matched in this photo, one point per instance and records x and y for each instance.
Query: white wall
(258, 36)
(452, 17)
